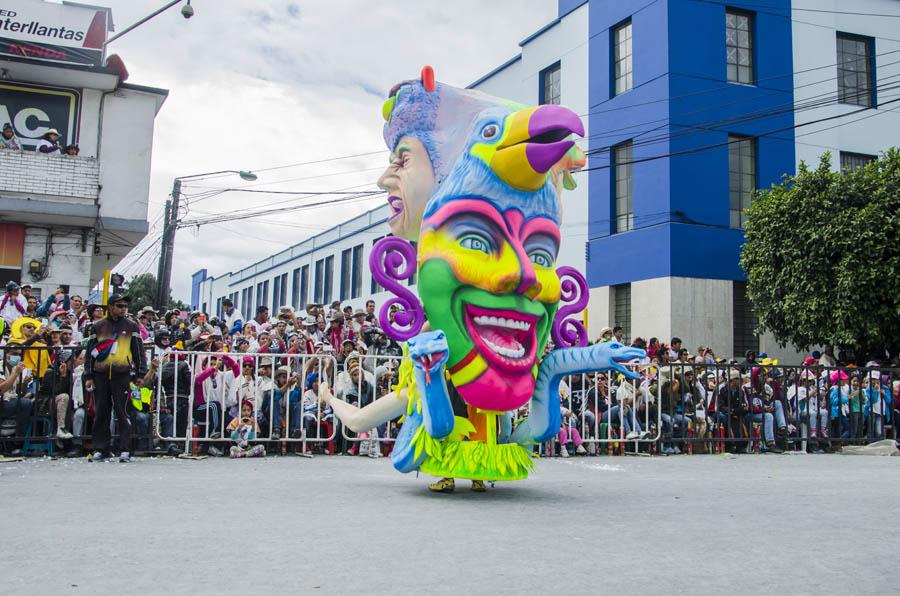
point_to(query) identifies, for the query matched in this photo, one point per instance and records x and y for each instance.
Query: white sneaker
(63, 435)
(374, 451)
(124, 457)
(563, 451)
(581, 450)
(632, 435)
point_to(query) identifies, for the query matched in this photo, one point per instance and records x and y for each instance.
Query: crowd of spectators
(255, 382)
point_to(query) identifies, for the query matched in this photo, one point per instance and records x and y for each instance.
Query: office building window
(328, 280)
(247, 301)
(356, 278)
(300, 285)
(622, 156)
(218, 307)
(317, 286)
(741, 177)
(262, 294)
(622, 57)
(345, 273)
(622, 310)
(550, 84)
(739, 46)
(852, 161)
(279, 292)
(854, 69)
(745, 337)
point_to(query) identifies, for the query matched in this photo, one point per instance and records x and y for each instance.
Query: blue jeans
(141, 421)
(20, 409)
(876, 426)
(780, 421)
(768, 422)
(613, 414)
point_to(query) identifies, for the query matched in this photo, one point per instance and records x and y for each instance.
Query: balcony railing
(26, 173)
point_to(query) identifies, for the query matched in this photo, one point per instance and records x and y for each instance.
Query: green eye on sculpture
(542, 258)
(476, 242)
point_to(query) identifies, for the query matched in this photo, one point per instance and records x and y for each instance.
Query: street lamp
(170, 225)
(187, 11)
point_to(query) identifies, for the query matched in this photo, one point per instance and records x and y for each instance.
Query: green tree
(142, 290)
(823, 256)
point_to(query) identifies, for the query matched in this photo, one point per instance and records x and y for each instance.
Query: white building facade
(66, 219)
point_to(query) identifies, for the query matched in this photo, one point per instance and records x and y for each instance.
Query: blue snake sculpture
(430, 410)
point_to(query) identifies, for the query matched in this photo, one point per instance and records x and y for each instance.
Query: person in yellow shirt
(28, 333)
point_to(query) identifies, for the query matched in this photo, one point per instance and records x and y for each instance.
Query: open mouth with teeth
(505, 338)
(396, 205)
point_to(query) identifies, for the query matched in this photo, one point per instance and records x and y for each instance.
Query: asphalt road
(764, 524)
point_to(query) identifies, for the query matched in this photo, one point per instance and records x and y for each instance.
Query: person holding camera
(115, 357)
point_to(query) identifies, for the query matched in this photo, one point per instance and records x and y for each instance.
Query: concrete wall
(125, 152)
(69, 264)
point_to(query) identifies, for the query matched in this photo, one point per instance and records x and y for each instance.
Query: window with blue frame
(551, 91)
(622, 67)
(739, 46)
(741, 178)
(328, 280)
(622, 155)
(854, 61)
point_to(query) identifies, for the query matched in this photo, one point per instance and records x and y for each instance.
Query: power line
(725, 143)
(240, 216)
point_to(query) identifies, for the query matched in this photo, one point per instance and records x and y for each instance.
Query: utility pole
(170, 226)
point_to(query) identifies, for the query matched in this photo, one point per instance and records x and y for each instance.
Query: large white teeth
(508, 352)
(502, 322)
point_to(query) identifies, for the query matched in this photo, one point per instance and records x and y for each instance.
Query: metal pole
(141, 22)
(169, 246)
(160, 271)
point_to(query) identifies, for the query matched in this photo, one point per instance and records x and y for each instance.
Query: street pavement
(761, 524)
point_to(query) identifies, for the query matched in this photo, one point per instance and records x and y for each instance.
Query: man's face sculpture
(409, 181)
(487, 253)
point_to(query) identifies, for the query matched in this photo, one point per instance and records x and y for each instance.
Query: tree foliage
(142, 291)
(823, 256)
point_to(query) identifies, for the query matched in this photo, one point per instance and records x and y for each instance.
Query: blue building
(690, 106)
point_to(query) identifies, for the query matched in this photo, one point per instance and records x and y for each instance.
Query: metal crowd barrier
(379, 373)
(231, 378)
(752, 408)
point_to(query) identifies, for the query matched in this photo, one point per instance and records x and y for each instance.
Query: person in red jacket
(115, 357)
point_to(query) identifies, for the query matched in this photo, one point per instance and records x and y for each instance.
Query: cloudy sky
(257, 84)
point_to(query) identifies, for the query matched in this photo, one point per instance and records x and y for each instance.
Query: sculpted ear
(392, 261)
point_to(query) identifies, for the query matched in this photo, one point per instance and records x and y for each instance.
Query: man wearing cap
(8, 138)
(49, 143)
(151, 313)
(115, 356)
(12, 305)
(359, 317)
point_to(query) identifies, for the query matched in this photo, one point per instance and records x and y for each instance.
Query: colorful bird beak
(534, 140)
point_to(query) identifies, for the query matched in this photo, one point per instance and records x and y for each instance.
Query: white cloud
(262, 83)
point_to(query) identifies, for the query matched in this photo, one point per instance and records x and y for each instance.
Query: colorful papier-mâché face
(487, 252)
(426, 124)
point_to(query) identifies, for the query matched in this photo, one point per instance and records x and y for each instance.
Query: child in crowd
(243, 430)
(568, 430)
(856, 417)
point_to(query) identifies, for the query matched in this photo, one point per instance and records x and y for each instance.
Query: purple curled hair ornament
(394, 260)
(569, 332)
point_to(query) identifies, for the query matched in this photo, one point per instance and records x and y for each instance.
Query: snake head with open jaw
(616, 355)
(429, 352)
